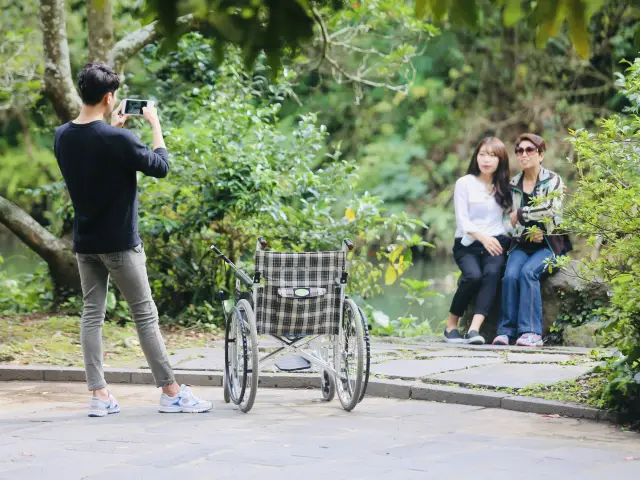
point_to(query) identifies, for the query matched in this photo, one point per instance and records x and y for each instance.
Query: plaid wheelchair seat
(301, 294)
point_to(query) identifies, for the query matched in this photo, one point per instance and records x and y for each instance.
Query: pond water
(441, 270)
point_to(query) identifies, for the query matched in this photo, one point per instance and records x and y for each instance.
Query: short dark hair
(537, 140)
(95, 81)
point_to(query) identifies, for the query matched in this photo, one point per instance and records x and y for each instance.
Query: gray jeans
(129, 273)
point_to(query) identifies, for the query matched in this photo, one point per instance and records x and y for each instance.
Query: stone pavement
(44, 433)
(437, 362)
(400, 368)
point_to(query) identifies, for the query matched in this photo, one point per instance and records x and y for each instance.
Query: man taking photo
(99, 164)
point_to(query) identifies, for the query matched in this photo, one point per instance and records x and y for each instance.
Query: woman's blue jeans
(521, 298)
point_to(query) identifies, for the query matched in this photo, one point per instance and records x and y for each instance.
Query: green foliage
(577, 309)
(273, 26)
(25, 293)
(36, 169)
(21, 53)
(236, 175)
(605, 208)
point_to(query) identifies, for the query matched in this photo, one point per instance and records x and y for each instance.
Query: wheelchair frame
(242, 368)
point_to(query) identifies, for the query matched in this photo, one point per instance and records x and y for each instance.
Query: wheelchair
(297, 298)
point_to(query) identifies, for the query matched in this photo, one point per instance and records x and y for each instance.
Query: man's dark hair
(95, 81)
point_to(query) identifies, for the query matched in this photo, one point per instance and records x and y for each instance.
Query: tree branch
(136, 41)
(34, 235)
(57, 78)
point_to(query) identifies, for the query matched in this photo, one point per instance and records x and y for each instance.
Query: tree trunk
(56, 252)
(57, 73)
(60, 88)
(100, 26)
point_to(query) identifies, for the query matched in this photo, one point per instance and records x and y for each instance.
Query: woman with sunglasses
(537, 202)
(480, 199)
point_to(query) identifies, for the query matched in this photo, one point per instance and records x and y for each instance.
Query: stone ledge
(464, 396)
(389, 388)
(204, 379)
(21, 373)
(376, 388)
(549, 407)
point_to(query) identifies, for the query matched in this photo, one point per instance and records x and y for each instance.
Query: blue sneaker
(184, 402)
(101, 408)
(453, 336)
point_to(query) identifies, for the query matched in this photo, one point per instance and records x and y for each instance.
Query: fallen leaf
(555, 415)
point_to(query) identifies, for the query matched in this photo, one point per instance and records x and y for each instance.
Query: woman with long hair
(481, 197)
(533, 225)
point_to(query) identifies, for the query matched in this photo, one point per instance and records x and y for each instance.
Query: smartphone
(134, 107)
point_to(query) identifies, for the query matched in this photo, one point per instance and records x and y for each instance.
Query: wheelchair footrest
(293, 363)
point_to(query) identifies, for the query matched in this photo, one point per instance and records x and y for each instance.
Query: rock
(564, 285)
(584, 335)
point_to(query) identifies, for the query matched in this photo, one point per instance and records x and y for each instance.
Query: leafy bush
(606, 209)
(25, 293)
(236, 175)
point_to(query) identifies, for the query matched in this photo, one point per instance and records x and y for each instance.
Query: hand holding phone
(118, 118)
(151, 114)
(134, 107)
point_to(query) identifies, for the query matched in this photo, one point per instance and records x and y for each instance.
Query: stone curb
(376, 388)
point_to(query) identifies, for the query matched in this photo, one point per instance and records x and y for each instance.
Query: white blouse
(476, 210)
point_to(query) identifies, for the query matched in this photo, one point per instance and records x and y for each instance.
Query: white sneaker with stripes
(184, 402)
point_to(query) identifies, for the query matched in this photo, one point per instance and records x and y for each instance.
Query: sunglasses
(529, 150)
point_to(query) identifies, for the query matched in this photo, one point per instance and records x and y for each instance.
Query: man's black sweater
(99, 164)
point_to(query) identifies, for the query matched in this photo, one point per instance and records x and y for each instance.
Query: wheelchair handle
(241, 275)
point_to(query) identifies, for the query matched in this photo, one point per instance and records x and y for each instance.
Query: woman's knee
(492, 273)
(530, 275)
(472, 278)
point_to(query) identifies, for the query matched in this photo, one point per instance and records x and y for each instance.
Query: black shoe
(474, 338)
(453, 336)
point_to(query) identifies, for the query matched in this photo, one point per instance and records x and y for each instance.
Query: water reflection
(442, 272)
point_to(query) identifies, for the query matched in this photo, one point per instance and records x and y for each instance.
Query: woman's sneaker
(101, 408)
(473, 337)
(501, 340)
(530, 340)
(184, 402)
(453, 336)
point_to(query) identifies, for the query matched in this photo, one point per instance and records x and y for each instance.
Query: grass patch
(55, 340)
(581, 390)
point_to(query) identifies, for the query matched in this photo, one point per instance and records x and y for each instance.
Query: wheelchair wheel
(241, 356)
(367, 345)
(350, 353)
(328, 386)
(225, 392)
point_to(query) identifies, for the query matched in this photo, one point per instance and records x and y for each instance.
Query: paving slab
(293, 434)
(513, 357)
(512, 375)
(206, 359)
(421, 368)
(461, 352)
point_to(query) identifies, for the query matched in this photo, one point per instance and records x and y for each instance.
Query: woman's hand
(538, 236)
(491, 244)
(514, 218)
